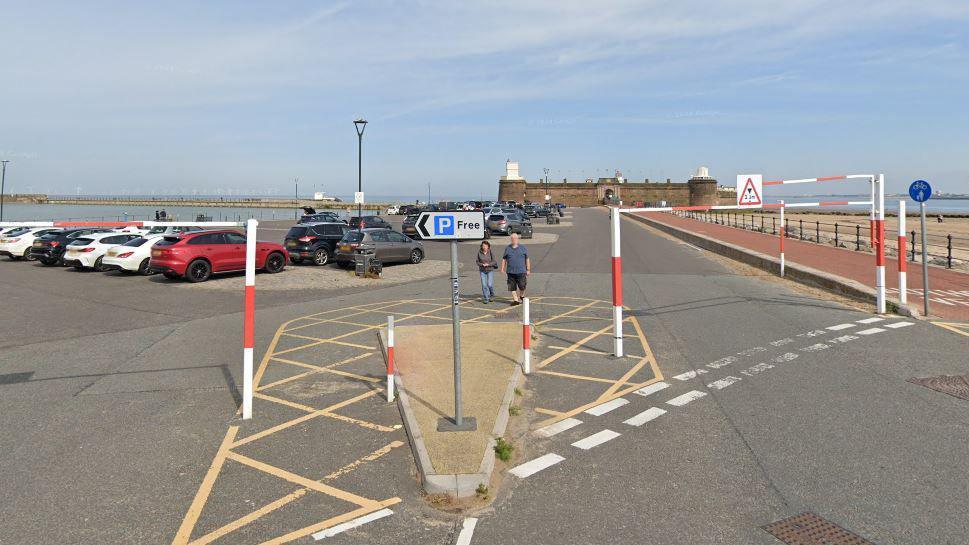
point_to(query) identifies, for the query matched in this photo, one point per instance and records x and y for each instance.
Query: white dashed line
(679, 401)
(357, 522)
(652, 389)
(651, 413)
(596, 439)
(530, 468)
(558, 427)
(870, 320)
(871, 331)
(723, 383)
(690, 374)
(897, 325)
(839, 327)
(600, 410)
(467, 530)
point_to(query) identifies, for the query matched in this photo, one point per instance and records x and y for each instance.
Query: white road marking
(467, 530)
(782, 342)
(596, 439)
(787, 356)
(897, 325)
(843, 339)
(751, 351)
(530, 468)
(759, 368)
(815, 347)
(681, 400)
(558, 427)
(349, 525)
(722, 362)
(723, 383)
(870, 320)
(690, 374)
(651, 413)
(600, 410)
(652, 388)
(871, 331)
(813, 333)
(839, 327)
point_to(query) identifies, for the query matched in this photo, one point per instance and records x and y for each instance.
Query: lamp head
(360, 125)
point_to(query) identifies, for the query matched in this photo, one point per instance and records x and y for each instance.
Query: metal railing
(943, 250)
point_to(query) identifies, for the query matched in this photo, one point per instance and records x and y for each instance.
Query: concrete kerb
(460, 485)
(799, 273)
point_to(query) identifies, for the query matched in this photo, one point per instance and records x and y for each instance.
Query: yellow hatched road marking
(314, 371)
(330, 522)
(202, 496)
(955, 327)
(577, 377)
(302, 419)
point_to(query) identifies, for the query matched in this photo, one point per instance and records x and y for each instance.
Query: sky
(244, 97)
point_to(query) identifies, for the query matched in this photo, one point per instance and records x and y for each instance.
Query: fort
(699, 190)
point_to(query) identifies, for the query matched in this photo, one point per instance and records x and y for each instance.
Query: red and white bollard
(871, 215)
(249, 319)
(616, 284)
(902, 281)
(880, 246)
(526, 338)
(783, 233)
(390, 359)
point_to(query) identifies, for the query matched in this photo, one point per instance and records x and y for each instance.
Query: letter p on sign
(444, 225)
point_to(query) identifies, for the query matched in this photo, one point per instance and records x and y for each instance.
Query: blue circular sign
(920, 191)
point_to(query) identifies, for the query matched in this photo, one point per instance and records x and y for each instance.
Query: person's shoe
(485, 301)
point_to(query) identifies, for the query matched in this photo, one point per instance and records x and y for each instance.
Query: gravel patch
(308, 277)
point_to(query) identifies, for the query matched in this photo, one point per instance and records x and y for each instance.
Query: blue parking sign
(444, 225)
(920, 191)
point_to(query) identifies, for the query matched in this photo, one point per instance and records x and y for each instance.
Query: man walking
(518, 266)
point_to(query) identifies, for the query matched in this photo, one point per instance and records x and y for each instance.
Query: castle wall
(591, 194)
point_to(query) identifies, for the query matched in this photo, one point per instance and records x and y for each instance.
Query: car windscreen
(496, 217)
(167, 241)
(135, 242)
(17, 231)
(352, 236)
(81, 242)
(296, 232)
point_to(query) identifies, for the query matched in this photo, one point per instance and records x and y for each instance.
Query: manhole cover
(810, 529)
(954, 385)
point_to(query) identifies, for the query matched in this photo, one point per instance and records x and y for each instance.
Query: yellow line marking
(574, 346)
(547, 411)
(368, 458)
(202, 496)
(330, 522)
(577, 377)
(354, 345)
(577, 410)
(328, 370)
(306, 408)
(583, 350)
(302, 419)
(288, 403)
(567, 330)
(303, 481)
(315, 371)
(268, 354)
(625, 378)
(954, 327)
(567, 313)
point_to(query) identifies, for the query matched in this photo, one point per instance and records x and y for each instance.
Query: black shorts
(517, 281)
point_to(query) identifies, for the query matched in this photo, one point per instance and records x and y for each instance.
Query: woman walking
(486, 267)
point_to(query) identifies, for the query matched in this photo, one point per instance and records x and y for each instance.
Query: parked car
(560, 205)
(312, 216)
(132, 256)
(87, 252)
(408, 209)
(16, 243)
(393, 210)
(531, 210)
(388, 246)
(316, 241)
(409, 226)
(196, 256)
(508, 223)
(170, 230)
(12, 230)
(49, 249)
(541, 211)
(375, 222)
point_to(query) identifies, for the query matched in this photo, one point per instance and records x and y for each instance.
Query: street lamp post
(296, 199)
(547, 197)
(360, 125)
(3, 182)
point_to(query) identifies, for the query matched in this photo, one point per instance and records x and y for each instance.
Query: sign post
(454, 226)
(921, 191)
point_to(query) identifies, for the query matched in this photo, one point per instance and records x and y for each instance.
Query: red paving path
(949, 289)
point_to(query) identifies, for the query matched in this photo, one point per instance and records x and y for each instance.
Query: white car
(393, 210)
(88, 251)
(132, 256)
(15, 243)
(171, 230)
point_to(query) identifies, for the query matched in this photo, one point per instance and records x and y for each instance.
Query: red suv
(196, 256)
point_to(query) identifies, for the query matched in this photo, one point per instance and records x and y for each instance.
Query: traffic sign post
(454, 226)
(921, 191)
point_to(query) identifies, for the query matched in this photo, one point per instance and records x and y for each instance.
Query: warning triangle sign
(749, 195)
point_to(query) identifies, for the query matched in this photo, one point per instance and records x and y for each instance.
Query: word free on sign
(451, 225)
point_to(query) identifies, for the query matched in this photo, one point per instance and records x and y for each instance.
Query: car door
(401, 245)
(382, 246)
(211, 246)
(235, 251)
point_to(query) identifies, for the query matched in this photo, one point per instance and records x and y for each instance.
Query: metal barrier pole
(616, 286)
(526, 338)
(880, 247)
(902, 283)
(390, 359)
(783, 234)
(249, 325)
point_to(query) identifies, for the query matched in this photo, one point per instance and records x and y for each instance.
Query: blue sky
(200, 97)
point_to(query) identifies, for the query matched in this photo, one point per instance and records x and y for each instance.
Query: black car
(316, 241)
(375, 222)
(49, 249)
(408, 209)
(409, 227)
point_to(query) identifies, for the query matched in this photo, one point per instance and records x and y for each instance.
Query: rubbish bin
(362, 259)
(552, 219)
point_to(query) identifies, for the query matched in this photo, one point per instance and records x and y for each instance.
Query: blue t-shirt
(515, 257)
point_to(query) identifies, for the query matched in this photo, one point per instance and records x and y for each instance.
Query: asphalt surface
(117, 392)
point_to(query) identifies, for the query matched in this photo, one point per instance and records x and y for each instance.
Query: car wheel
(416, 256)
(144, 269)
(26, 256)
(321, 256)
(170, 276)
(295, 260)
(98, 265)
(48, 262)
(198, 271)
(79, 267)
(275, 262)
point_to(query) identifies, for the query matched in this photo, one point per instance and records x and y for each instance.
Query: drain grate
(810, 529)
(954, 385)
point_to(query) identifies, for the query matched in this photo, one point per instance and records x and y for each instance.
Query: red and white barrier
(526, 338)
(390, 359)
(249, 314)
(902, 281)
(880, 246)
(614, 216)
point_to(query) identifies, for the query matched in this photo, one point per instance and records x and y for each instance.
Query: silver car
(388, 246)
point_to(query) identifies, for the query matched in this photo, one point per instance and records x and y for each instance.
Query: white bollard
(526, 338)
(902, 281)
(390, 359)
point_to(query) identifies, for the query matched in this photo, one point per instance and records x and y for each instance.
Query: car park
(315, 241)
(369, 221)
(87, 252)
(509, 222)
(387, 245)
(49, 249)
(16, 243)
(196, 256)
(132, 256)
